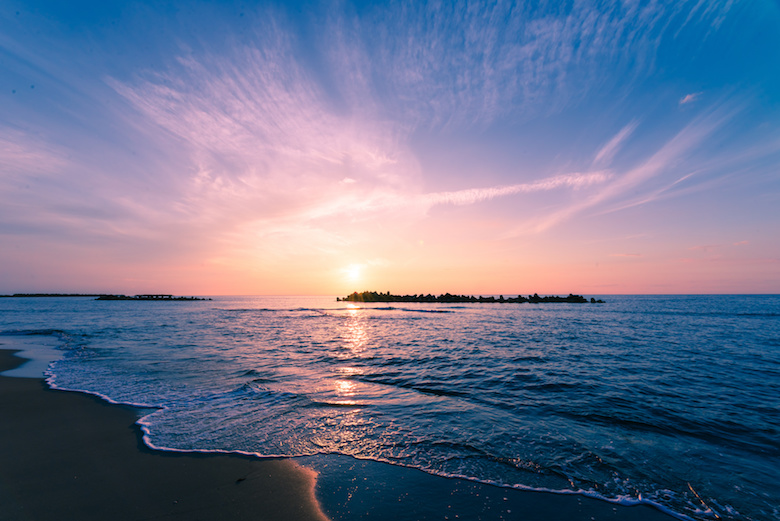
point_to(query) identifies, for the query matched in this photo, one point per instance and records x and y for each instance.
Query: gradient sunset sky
(323, 148)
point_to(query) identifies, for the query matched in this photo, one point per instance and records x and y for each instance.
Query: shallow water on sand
(672, 400)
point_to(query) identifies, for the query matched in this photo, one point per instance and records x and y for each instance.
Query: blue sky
(266, 148)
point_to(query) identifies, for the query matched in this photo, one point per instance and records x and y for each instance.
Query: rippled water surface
(673, 400)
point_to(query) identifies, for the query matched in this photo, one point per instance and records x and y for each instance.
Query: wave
(249, 310)
(345, 404)
(336, 311)
(758, 442)
(35, 332)
(710, 314)
(406, 384)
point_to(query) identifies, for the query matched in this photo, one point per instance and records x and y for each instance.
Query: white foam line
(625, 501)
(620, 500)
(50, 381)
(143, 424)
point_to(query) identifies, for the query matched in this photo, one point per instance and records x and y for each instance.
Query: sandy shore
(67, 455)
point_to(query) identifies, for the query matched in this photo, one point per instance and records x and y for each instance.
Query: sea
(672, 401)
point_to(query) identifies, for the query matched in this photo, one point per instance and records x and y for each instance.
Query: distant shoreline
(373, 296)
(26, 295)
(105, 296)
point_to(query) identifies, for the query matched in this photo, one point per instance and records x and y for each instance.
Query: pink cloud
(690, 98)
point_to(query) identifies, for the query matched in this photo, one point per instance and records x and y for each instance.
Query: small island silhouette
(373, 296)
(147, 297)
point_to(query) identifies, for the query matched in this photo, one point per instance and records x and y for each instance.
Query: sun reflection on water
(354, 334)
(345, 388)
(354, 343)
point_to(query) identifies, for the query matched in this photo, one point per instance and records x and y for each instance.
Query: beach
(69, 455)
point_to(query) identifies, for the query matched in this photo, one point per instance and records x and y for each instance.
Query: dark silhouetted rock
(448, 298)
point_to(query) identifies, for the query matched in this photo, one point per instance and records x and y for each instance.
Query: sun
(353, 272)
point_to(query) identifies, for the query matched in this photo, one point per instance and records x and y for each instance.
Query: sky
(320, 148)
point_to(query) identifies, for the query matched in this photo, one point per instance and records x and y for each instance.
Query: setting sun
(353, 272)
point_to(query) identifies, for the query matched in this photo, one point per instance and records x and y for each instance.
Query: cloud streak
(608, 151)
(454, 65)
(22, 154)
(268, 144)
(477, 195)
(672, 159)
(690, 98)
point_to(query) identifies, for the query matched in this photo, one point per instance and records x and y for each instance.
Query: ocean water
(669, 400)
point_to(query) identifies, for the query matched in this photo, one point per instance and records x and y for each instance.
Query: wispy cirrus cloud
(252, 111)
(648, 180)
(21, 154)
(265, 140)
(450, 65)
(381, 202)
(477, 195)
(690, 98)
(254, 134)
(608, 151)
(260, 139)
